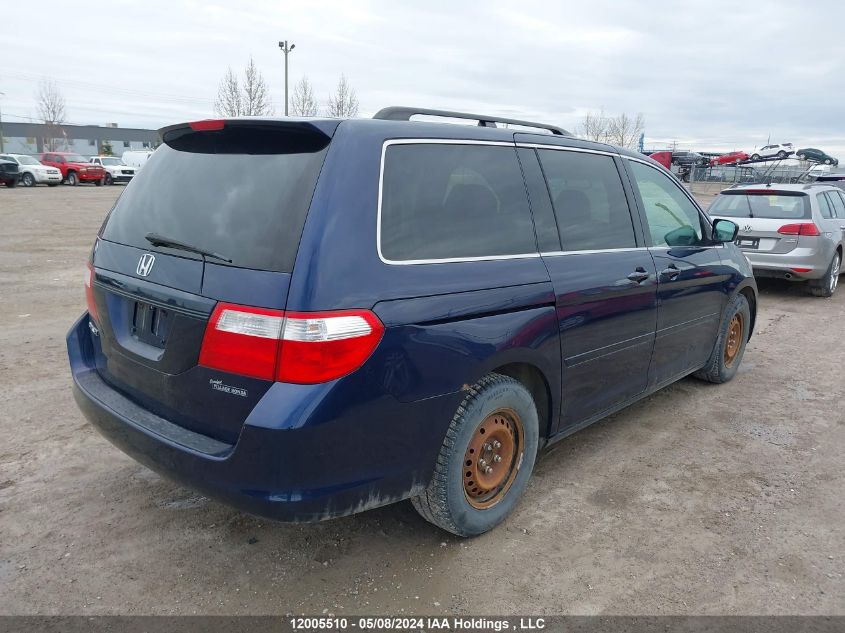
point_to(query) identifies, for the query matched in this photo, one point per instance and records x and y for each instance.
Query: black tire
(827, 161)
(28, 180)
(781, 154)
(755, 156)
(801, 156)
(826, 286)
(53, 184)
(99, 182)
(109, 179)
(11, 184)
(718, 370)
(72, 179)
(445, 501)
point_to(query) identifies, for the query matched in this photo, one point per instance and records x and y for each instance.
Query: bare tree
(52, 111)
(303, 102)
(625, 131)
(256, 95)
(594, 127)
(344, 102)
(229, 100)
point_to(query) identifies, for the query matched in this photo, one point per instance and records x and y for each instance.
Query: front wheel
(99, 182)
(781, 154)
(826, 286)
(486, 458)
(730, 344)
(109, 179)
(28, 180)
(11, 183)
(72, 178)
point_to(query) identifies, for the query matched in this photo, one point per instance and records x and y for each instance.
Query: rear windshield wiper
(159, 240)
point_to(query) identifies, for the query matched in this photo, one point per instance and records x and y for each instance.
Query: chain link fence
(711, 180)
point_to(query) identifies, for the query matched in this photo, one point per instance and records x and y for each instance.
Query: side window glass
(453, 201)
(672, 219)
(541, 205)
(824, 207)
(589, 200)
(836, 204)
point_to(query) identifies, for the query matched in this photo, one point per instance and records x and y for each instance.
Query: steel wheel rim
(734, 341)
(493, 458)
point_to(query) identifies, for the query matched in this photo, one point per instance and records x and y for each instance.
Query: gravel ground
(699, 499)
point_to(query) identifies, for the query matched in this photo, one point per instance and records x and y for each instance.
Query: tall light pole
(286, 49)
(2, 147)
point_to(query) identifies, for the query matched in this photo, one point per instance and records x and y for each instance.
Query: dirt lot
(700, 499)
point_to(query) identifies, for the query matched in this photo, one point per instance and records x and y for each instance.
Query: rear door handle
(639, 275)
(671, 272)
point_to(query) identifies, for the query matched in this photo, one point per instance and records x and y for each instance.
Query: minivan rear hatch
(215, 215)
(762, 215)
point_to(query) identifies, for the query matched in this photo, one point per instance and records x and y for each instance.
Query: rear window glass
(444, 201)
(249, 208)
(778, 206)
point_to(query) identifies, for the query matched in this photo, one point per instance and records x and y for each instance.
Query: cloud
(717, 75)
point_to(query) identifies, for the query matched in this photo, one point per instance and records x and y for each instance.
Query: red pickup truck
(74, 168)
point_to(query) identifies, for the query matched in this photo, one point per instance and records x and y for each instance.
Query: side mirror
(724, 231)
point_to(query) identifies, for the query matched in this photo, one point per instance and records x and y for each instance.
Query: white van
(136, 158)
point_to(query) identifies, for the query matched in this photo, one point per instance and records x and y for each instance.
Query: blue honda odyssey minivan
(307, 318)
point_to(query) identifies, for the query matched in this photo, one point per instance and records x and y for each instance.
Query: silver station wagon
(793, 232)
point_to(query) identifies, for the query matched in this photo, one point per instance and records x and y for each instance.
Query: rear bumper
(811, 263)
(290, 462)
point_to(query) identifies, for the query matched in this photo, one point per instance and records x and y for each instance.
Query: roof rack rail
(403, 113)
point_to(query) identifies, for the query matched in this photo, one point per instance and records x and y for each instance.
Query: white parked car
(116, 169)
(781, 150)
(33, 172)
(136, 158)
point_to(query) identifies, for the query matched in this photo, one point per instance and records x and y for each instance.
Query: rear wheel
(826, 286)
(28, 180)
(72, 179)
(730, 344)
(486, 458)
(827, 161)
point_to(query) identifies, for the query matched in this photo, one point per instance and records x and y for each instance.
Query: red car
(74, 168)
(729, 159)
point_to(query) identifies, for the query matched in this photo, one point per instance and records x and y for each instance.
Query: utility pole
(286, 49)
(2, 147)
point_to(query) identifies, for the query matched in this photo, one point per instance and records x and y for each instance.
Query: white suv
(34, 172)
(116, 169)
(773, 151)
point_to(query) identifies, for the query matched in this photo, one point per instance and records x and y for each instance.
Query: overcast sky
(706, 74)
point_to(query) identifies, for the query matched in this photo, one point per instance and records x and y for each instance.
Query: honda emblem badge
(145, 264)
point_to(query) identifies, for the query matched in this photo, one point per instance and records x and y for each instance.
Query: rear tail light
(89, 293)
(322, 346)
(802, 228)
(296, 347)
(800, 270)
